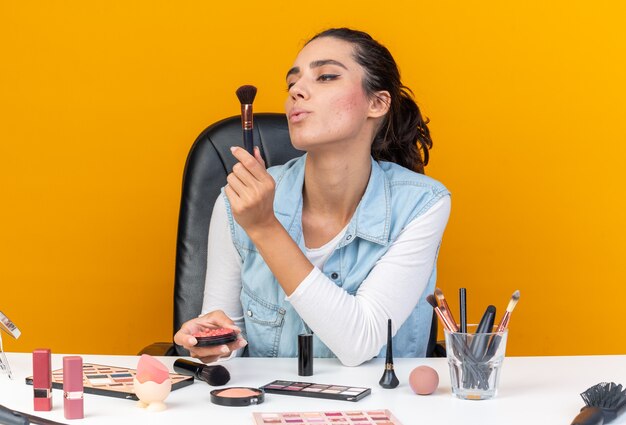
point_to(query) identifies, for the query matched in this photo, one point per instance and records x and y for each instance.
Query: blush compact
(219, 336)
(237, 396)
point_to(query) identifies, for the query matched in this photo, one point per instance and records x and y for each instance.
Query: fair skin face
(332, 118)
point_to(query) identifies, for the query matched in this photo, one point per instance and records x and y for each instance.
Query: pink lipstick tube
(73, 387)
(42, 379)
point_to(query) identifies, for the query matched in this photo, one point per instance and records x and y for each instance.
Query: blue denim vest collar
(393, 198)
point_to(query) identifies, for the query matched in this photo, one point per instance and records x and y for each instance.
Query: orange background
(100, 102)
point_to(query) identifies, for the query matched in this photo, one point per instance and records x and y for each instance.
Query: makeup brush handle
(444, 320)
(448, 315)
(9, 417)
(13, 417)
(463, 309)
(248, 141)
(504, 322)
(589, 416)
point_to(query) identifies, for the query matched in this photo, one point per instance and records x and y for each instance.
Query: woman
(341, 239)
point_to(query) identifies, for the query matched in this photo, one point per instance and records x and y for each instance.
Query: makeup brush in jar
(246, 95)
(504, 323)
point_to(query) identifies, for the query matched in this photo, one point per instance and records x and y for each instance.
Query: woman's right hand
(212, 320)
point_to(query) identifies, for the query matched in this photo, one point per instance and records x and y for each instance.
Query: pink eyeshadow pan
(237, 392)
(237, 396)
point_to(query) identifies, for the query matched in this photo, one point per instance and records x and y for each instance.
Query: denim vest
(393, 198)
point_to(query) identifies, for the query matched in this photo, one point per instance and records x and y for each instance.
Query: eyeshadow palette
(111, 381)
(309, 389)
(365, 417)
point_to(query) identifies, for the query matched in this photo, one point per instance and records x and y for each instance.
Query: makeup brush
(603, 401)
(445, 309)
(389, 378)
(14, 417)
(442, 318)
(507, 315)
(463, 307)
(212, 375)
(246, 95)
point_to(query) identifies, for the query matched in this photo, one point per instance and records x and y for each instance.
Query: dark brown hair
(403, 137)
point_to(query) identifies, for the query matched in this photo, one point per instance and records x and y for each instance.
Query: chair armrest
(159, 349)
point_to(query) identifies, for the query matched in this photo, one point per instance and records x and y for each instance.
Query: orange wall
(100, 102)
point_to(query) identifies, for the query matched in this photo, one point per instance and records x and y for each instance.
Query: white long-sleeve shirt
(326, 308)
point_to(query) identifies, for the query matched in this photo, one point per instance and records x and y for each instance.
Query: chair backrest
(208, 163)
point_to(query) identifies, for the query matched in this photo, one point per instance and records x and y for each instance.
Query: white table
(533, 390)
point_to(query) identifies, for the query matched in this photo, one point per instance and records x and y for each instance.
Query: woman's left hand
(250, 191)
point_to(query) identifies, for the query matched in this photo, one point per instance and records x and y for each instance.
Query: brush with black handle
(211, 374)
(246, 95)
(14, 417)
(604, 402)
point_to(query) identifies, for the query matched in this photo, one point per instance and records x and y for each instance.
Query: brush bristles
(431, 300)
(513, 302)
(439, 294)
(215, 375)
(246, 94)
(605, 395)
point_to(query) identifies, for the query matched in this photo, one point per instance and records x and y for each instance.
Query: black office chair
(208, 163)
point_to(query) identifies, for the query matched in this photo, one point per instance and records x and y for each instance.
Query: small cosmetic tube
(42, 379)
(305, 354)
(73, 387)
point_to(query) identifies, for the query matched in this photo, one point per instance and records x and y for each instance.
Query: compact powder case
(237, 396)
(212, 337)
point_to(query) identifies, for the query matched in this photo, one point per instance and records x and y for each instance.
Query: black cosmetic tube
(305, 354)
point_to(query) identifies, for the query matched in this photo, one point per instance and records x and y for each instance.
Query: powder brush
(213, 375)
(389, 379)
(603, 401)
(246, 95)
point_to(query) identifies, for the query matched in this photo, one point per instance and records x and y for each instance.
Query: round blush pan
(218, 336)
(237, 396)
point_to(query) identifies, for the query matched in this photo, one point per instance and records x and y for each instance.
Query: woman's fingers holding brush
(250, 190)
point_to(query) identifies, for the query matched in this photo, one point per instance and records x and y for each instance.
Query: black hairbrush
(603, 401)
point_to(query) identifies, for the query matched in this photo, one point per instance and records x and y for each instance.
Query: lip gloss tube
(42, 379)
(73, 387)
